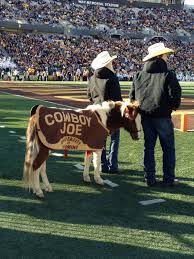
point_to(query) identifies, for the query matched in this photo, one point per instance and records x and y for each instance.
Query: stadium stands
(133, 19)
(69, 58)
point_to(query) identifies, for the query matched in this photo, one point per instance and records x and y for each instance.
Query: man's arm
(174, 90)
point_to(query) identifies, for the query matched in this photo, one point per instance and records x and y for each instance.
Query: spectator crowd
(162, 20)
(70, 58)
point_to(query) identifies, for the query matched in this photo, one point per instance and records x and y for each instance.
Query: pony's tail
(31, 153)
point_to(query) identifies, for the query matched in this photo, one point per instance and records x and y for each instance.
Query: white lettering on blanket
(72, 122)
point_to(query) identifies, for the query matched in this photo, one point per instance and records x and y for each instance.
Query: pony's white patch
(103, 110)
(56, 154)
(111, 184)
(149, 202)
(94, 107)
(79, 167)
(103, 117)
(12, 132)
(108, 105)
(2, 126)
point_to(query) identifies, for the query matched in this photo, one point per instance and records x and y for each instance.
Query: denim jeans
(110, 162)
(162, 128)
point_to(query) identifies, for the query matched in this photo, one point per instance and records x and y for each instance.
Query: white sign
(103, 4)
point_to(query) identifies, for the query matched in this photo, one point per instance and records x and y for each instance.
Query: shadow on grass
(48, 246)
(100, 205)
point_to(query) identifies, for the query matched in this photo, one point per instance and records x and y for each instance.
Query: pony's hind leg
(36, 183)
(87, 162)
(37, 167)
(97, 167)
(48, 187)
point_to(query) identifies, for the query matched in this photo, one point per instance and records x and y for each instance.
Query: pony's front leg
(48, 187)
(36, 186)
(87, 162)
(97, 167)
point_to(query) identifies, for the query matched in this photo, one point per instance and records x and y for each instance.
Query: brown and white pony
(113, 115)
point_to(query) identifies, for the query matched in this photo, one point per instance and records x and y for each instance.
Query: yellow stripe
(72, 98)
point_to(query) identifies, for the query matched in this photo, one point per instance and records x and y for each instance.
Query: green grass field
(89, 221)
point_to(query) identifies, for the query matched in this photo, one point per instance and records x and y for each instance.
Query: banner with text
(105, 3)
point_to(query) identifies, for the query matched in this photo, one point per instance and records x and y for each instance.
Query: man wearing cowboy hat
(158, 92)
(104, 85)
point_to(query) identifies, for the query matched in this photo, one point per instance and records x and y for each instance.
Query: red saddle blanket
(70, 129)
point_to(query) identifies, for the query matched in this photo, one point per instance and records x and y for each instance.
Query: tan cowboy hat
(102, 60)
(157, 49)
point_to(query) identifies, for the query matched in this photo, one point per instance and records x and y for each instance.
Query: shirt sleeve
(174, 90)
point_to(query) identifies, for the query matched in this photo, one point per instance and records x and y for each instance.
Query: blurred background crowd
(135, 19)
(23, 55)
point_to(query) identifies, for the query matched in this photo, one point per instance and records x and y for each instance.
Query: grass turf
(88, 221)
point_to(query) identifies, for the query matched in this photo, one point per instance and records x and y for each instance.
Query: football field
(81, 220)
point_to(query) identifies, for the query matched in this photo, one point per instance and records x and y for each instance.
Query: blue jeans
(110, 163)
(164, 129)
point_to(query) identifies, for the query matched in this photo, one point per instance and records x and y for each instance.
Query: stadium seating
(55, 11)
(47, 55)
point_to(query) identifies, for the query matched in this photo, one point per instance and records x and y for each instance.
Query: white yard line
(149, 202)
(79, 166)
(31, 98)
(110, 183)
(11, 131)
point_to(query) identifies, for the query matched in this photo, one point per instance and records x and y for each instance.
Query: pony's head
(124, 114)
(131, 119)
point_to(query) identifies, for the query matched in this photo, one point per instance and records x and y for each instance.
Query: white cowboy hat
(157, 49)
(102, 60)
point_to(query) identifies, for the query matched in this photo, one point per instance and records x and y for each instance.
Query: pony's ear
(130, 113)
(129, 109)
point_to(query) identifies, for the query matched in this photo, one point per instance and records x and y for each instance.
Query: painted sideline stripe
(68, 106)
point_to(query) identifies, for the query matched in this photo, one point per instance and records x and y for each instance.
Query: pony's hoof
(40, 195)
(99, 181)
(48, 188)
(87, 179)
